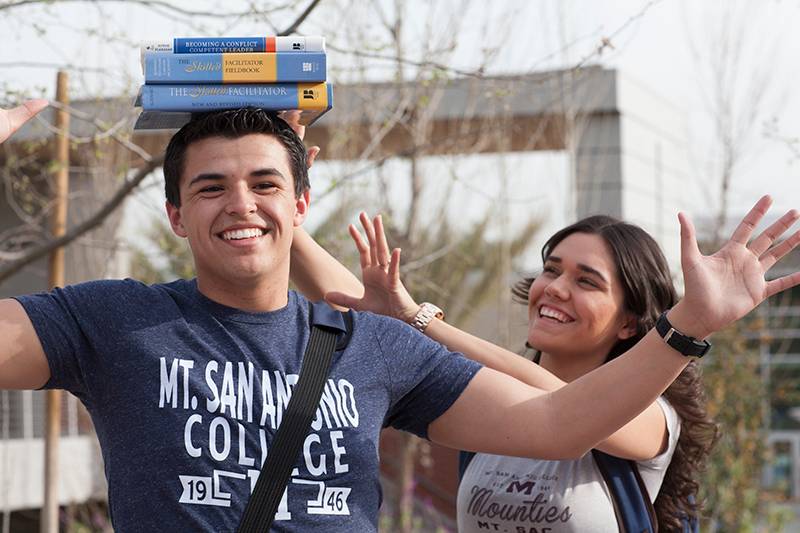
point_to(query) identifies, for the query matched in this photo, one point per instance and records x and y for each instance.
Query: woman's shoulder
(673, 421)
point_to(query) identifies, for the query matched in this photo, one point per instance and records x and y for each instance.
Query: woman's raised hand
(13, 119)
(384, 293)
(723, 287)
(292, 118)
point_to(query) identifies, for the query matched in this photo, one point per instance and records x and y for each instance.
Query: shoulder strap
(326, 325)
(464, 458)
(632, 505)
(691, 524)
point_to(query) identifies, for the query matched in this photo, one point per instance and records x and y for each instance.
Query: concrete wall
(22, 472)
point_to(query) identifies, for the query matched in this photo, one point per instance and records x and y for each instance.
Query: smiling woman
(613, 282)
(603, 285)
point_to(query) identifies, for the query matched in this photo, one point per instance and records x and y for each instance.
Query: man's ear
(301, 207)
(174, 215)
(629, 327)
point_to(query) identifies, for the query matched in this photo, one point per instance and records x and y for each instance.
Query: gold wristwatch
(427, 312)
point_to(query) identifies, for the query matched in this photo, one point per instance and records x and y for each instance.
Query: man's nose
(240, 201)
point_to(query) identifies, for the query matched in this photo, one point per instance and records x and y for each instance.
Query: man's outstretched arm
(22, 361)
(23, 364)
(501, 415)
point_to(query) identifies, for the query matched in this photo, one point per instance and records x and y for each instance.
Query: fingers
(394, 266)
(369, 230)
(343, 300)
(363, 249)
(762, 243)
(311, 155)
(380, 239)
(292, 118)
(23, 113)
(748, 224)
(376, 251)
(775, 255)
(689, 250)
(781, 284)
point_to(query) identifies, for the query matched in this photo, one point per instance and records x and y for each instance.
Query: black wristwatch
(688, 346)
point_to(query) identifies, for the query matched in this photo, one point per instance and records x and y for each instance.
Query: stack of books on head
(194, 75)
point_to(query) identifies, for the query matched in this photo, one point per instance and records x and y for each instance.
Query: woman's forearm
(315, 272)
(492, 356)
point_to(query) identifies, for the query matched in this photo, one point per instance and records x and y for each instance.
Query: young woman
(603, 285)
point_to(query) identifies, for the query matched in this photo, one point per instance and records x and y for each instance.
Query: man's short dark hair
(232, 124)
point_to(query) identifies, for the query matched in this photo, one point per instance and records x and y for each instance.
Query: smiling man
(187, 381)
(238, 199)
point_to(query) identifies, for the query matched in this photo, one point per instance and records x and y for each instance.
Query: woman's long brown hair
(648, 291)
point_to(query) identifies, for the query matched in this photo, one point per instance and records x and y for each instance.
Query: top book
(218, 45)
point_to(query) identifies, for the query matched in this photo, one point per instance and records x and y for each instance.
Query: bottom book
(172, 106)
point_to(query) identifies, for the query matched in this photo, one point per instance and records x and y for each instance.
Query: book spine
(234, 67)
(219, 45)
(198, 98)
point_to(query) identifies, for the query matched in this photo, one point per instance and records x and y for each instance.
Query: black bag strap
(632, 505)
(464, 459)
(326, 327)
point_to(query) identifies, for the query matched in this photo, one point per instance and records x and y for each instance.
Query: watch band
(688, 346)
(427, 312)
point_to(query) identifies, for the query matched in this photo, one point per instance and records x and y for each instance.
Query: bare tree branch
(296, 24)
(105, 131)
(159, 4)
(604, 44)
(95, 220)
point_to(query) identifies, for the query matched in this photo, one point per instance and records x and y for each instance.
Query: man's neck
(255, 297)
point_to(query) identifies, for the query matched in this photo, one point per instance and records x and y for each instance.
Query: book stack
(193, 75)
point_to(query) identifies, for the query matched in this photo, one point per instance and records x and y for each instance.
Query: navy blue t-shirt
(185, 395)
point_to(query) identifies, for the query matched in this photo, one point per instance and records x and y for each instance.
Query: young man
(187, 381)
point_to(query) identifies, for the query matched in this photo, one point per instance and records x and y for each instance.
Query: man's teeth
(552, 313)
(242, 234)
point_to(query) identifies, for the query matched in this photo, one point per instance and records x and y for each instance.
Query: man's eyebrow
(581, 266)
(267, 171)
(209, 176)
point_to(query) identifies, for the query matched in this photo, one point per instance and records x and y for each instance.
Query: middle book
(250, 67)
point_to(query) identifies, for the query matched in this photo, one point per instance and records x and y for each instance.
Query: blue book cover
(173, 104)
(264, 67)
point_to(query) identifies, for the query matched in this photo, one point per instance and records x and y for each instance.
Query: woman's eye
(549, 270)
(587, 281)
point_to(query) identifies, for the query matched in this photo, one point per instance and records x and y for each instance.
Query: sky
(663, 44)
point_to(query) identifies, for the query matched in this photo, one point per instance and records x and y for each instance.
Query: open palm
(384, 293)
(12, 119)
(723, 287)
